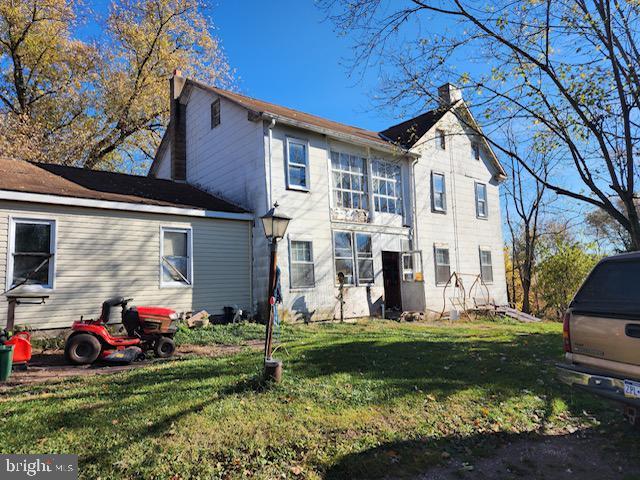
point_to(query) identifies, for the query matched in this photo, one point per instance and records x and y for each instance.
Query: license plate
(631, 389)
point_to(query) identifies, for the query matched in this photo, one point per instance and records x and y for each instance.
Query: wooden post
(272, 285)
(11, 314)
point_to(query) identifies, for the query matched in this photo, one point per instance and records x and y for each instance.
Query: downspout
(269, 176)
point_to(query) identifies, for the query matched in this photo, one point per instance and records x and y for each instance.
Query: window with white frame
(407, 267)
(481, 201)
(387, 187)
(486, 267)
(215, 113)
(443, 265)
(349, 181)
(297, 164)
(176, 256)
(353, 256)
(475, 150)
(364, 255)
(441, 139)
(301, 264)
(32, 250)
(438, 192)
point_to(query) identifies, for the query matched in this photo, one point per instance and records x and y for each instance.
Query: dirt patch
(50, 366)
(587, 456)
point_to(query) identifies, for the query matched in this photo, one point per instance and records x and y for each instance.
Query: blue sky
(285, 52)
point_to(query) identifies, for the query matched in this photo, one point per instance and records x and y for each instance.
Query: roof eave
(354, 139)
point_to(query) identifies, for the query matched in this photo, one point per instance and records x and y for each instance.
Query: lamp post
(275, 225)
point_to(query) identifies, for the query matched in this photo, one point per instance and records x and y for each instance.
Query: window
(475, 150)
(387, 187)
(349, 181)
(443, 268)
(438, 192)
(407, 267)
(486, 269)
(364, 254)
(345, 253)
(215, 113)
(441, 139)
(481, 200)
(301, 264)
(175, 257)
(297, 164)
(31, 252)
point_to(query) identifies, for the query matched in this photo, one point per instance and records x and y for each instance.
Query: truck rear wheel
(164, 347)
(82, 349)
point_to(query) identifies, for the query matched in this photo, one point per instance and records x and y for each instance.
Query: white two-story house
(409, 215)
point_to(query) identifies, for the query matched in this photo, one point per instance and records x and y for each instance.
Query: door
(391, 278)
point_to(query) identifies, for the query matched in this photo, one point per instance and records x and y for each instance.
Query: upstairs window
(387, 187)
(349, 181)
(302, 272)
(475, 150)
(441, 140)
(297, 164)
(175, 257)
(486, 268)
(215, 113)
(438, 192)
(31, 252)
(443, 266)
(481, 201)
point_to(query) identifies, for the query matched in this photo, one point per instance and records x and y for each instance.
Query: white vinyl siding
(297, 164)
(301, 264)
(486, 266)
(442, 265)
(387, 187)
(176, 259)
(438, 192)
(349, 181)
(481, 200)
(103, 253)
(32, 249)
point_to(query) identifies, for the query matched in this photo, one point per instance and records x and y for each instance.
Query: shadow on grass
(499, 455)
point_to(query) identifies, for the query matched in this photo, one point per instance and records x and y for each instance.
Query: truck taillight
(566, 334)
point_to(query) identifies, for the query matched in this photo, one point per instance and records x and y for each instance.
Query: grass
(357, 401)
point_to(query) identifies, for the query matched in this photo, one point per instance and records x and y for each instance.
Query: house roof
(410, 131)
(27, 177)
(261, 106)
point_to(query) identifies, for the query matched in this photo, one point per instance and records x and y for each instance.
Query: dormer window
(441, 140)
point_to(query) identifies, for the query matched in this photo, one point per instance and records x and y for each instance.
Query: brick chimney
(177, 127)
(449, 94)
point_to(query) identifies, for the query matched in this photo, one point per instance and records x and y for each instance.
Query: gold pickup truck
(602, 334)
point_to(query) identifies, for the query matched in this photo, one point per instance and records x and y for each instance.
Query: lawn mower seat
(107, 305)
(131, 322)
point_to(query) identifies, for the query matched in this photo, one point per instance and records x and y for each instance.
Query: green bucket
(6, 361)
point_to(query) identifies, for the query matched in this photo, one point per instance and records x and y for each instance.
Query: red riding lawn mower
(148, 328)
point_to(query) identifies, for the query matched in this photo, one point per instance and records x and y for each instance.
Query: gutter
(121, 206)
(334, 134)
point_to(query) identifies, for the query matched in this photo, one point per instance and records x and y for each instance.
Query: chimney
(177, 127)
(449, 94)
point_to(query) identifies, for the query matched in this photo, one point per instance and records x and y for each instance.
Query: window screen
(176, 257)
(32, 253)
(612, 288)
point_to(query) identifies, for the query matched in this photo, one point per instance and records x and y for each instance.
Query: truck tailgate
(611, 339)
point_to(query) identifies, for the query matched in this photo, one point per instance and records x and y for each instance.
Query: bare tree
(566, 72)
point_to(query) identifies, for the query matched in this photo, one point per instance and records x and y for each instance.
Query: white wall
(103, 253)
(311, 221)
(459, 228)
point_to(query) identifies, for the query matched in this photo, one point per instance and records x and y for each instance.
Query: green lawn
(357, 401)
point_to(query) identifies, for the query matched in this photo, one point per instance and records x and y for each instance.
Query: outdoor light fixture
(275, 224)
